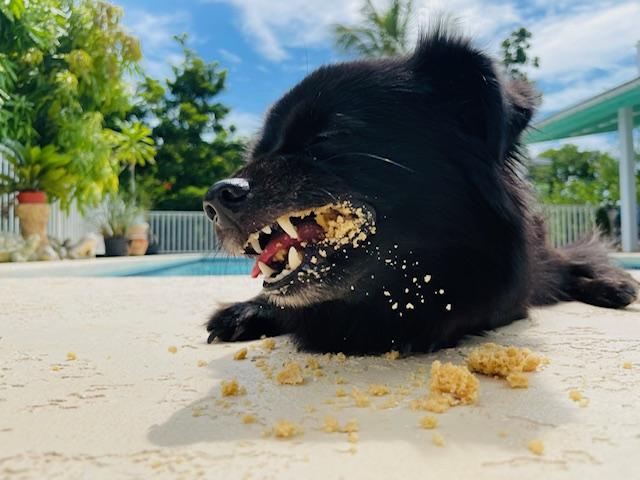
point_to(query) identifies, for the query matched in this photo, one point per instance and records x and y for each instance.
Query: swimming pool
(199, 267)
(171, 265)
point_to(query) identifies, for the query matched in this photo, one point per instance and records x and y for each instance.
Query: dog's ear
(522, 100)
(465, 84)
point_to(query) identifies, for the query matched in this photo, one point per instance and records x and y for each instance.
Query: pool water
(242, 266)
(200, 267)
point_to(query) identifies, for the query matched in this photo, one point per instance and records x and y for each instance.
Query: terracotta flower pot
(139, 237)
(33, 212)
(32, 197)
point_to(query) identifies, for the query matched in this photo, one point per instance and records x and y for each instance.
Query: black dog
(419, 155)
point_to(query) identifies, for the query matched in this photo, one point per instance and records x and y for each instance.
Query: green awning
(596, 115)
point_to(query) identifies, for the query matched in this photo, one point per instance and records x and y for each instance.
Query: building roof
(598, 114)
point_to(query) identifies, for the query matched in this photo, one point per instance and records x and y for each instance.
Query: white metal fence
(178, 232)
(568, 223)
(181, 232)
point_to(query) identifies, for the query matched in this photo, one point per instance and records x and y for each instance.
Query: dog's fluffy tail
(582, 271)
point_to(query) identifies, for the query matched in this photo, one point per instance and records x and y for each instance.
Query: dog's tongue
(307, 232)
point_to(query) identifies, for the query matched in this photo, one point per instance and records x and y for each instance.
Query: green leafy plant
(116, 214)
(132, 146)
(574, 176)
(381, 33)
(36, 169)
(515, 53)
(64, 70)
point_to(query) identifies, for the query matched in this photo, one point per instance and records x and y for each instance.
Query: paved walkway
(126, 407)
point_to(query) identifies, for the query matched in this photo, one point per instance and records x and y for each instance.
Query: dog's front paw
(242, 321)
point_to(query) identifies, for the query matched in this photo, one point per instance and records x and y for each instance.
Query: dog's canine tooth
(286, 225)
(266, 229)
(279, 276)
(266, 270)
(295, 258)
(255, 243)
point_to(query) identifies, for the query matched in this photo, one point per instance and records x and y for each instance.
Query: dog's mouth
(301, 243)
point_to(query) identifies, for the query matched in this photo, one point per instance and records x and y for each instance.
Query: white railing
(181, 232)
(568, 223)
(178, 232)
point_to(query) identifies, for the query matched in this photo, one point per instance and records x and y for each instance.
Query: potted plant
(115, 216)
(38, 174)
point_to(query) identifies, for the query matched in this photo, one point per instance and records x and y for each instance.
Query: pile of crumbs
(509, 363)
(291, 374)
(449, 385)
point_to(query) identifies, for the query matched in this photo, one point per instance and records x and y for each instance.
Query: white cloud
(246, 123)
(155, 33)
(274, 26)
(582, 89)
(598, 38)
(229, 56)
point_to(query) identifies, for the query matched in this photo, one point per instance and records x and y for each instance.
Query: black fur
(430, 143)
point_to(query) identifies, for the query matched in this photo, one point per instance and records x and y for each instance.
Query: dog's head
(364, 166)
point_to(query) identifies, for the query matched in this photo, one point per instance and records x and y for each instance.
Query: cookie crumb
(231, 388)
(361, 400)
(341, 392)
(536, 447)
(71, 356)
(268, 344)
(202, 363)
(286, 429)
(171, 349)
(494, 359)
(429, 422)
(378, 390)
(392, 355)
(240, 354)
(248, 418)
(437, 439)
(331, 424)
(291, 374)
(627, 365)
(575, 395)
(517, 380)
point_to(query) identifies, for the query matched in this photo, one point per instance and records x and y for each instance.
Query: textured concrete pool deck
(127, 407)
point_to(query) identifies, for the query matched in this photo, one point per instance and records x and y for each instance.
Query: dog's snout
(225, 197)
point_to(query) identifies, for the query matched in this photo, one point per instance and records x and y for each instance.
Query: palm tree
(381, 34)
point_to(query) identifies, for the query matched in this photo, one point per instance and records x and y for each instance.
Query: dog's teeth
(266, 230)
(279, 276)
(266, 270)
(286, 225)
(295, 258)
(255, 243)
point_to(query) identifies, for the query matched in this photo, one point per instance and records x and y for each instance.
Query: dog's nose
(225, 197)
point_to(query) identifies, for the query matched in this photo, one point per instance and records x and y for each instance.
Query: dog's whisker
(371, 155)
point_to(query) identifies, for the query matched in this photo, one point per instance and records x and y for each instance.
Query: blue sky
(585, 46)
